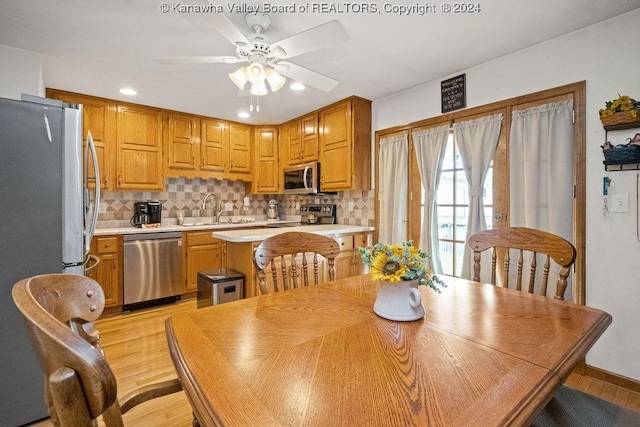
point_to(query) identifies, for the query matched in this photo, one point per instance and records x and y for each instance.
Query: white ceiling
(97, 47)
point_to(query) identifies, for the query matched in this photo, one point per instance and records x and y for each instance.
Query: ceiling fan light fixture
(239, 77)
(255, 73)
(276, 81)
(258, 88)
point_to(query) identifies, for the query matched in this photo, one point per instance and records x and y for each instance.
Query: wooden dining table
(319, 356)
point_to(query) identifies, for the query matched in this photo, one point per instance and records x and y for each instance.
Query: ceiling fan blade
(316, 38)
(306, 76)
(197, 59)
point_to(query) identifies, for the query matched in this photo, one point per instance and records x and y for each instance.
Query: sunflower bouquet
(621, 104)
(397, 263)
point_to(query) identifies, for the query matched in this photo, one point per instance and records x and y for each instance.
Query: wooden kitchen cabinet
(300, 140)
(214, 144)
(266, 170)
(345, 145)
(139, 148)
(108, 273)
(202, 252)
(182, 145)
(240, 159)
(349, 262)
(99, 117)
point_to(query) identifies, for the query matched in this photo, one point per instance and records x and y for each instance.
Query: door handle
(498, 217)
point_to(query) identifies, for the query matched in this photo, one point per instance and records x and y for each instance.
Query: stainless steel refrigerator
(45, 227)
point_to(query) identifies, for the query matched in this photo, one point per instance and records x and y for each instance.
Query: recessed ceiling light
(128, 91)
(297, 86)
(243, 114)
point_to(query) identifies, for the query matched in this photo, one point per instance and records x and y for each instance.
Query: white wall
(606, 57)
(20, 72)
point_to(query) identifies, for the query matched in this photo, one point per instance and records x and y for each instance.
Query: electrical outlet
(350, 206)
(228, 207)
(620, 203)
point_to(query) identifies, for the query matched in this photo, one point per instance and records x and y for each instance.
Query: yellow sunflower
(388, 270)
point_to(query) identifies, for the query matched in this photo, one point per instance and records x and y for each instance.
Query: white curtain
(394, 184)
(477, 141)
(430, 146)
(541, 170)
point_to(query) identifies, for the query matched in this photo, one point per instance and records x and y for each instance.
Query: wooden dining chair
(540, 246)
(287, 256)
(569, 407)
(58, 312)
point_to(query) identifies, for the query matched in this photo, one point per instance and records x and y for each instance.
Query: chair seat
(573, 408)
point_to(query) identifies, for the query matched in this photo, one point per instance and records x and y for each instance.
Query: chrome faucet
(217, 210)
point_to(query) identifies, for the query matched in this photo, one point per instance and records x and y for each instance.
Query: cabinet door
(344, 261)
(201, 258)
(213, 145)
(98, 117)
(108, 273)
(294, 143)
(139, 157)
(310, 144)
(240, 151)
(336, 155)
(203, 252)
(266, 171)
(182, 146)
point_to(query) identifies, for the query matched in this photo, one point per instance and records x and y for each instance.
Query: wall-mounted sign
(453, 91)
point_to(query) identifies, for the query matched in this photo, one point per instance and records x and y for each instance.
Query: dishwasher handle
(152, 236)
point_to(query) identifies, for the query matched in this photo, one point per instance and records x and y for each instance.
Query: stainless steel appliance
(219, 286)
(44, 206)
(302, 179)
(146, 213)
(152, 269)
(272, 210)
(314, 214)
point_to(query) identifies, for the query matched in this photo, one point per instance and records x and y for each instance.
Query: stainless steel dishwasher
(152, 269)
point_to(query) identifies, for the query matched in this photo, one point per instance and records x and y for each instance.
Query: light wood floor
(136, 348)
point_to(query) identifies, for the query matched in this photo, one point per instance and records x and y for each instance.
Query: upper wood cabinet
(299, 140)
(240, 160)
(266, 176)
(182, 144)
(214, 143)
(98, 117)
(345, 145)
(139, 148)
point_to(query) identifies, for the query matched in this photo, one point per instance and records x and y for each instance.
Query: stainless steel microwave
(302, 179)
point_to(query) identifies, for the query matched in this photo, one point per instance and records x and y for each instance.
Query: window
(453, 208)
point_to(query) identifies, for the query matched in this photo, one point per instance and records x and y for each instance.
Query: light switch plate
(620, 203)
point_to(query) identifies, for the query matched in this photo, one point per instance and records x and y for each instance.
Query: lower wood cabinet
(108, 273)
(349, 262)
(201, 252)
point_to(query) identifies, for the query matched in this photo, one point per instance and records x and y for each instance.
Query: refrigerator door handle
(91, 151)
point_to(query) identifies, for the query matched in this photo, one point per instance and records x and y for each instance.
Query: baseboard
(611, 378)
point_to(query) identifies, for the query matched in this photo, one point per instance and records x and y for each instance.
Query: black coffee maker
(146, 213)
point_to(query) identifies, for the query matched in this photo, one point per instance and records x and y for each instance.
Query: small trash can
(219, 286)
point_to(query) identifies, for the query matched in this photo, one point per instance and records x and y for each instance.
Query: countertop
(238, 231)
(257, 235)
(165, 228)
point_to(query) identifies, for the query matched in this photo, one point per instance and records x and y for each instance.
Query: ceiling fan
(268, 61)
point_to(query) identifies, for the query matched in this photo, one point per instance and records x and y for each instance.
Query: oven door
(303, 179)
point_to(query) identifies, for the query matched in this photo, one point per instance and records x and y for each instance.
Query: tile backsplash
(185, 196)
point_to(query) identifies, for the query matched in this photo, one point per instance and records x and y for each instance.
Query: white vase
(399, 301)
